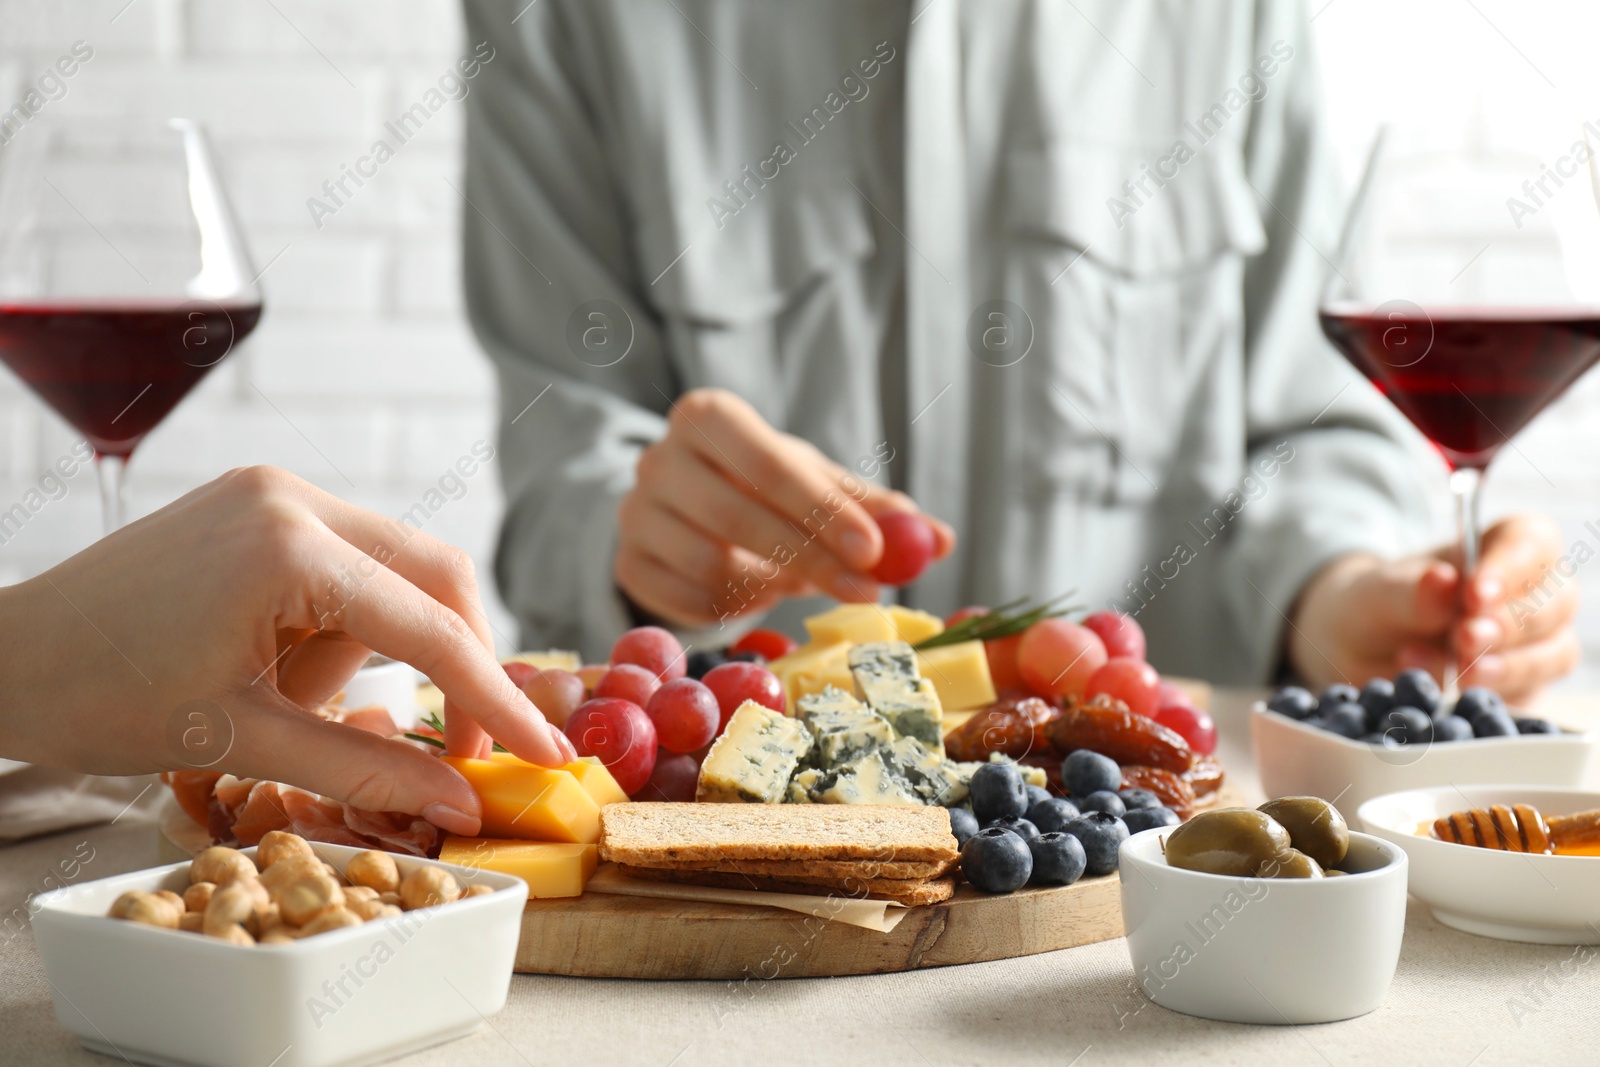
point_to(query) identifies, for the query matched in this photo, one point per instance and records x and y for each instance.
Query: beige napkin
(42, 800)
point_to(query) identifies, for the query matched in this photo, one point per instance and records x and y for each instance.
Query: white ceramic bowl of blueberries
(1349, 745)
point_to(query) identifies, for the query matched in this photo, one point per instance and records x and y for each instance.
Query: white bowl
(352, 996)
(1264, 950)
(1547, 900)
(391, 685)
(1294, 759)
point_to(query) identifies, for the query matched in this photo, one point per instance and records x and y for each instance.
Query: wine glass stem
(1465, 483)
(111, 470)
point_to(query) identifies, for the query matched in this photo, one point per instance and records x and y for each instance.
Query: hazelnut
(427, 886)
(302, 900)
(221, 865)
(197, 896)
(373, 869)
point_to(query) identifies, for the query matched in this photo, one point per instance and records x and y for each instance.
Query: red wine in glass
(1468, 378)
(114, 306)
(115, 371)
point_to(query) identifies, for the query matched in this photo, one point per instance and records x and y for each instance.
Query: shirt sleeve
(1337, 468)
(552, 296)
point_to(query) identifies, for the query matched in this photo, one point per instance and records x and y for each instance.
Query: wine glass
(124, 277)
(1469, 302)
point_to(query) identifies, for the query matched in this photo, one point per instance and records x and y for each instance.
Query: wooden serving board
(603, 936)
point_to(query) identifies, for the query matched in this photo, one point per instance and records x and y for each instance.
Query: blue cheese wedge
(886, 677)
(868, 780)
(754, 759)
(801, 785)
(842, 727)
(937, 780)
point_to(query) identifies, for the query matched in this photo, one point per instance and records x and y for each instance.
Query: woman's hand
(728, 516)
(233, 612)
(1509, 628)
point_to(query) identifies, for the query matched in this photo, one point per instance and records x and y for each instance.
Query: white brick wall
(363, 377)
(377, 383)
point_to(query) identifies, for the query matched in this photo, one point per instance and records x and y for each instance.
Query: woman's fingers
(315, 669)
(389, 615)
(1519, 673)
(279, 743)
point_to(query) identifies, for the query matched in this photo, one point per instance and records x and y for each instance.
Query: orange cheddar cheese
(527, 802)
(590, 773)
(551, 869)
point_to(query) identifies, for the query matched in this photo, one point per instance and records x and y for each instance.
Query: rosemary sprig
(434, 722)
(1006, 620)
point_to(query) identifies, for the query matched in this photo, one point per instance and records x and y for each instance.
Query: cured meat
(240, 811)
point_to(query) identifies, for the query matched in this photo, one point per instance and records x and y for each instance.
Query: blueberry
(997, 861)
(1494, 724)
(1452, 728)
(963, 824)
(1406, 725)
(1136, 799)
(1346, 720)
(1377, 697)
(1336, 694)
(1050, 816)
(1058, 859)
(1036, 793)
(1105, 801)
(1536, 726)
(1418, 689)
(1084, 772)
(997, 791)
(1017, 825)
(1381, 740)
(1293, 702)
(1101, 835)
(1477, 700)
(1149, 818)
(702, 660)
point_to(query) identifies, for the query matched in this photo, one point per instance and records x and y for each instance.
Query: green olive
(1329, 872)
(1231, 841)
(1292, 864)
(1315, 827)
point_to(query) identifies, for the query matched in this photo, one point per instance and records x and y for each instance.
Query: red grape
(675, 777)
(629, 681)
(620, 735)
(686, 715)
(1002, 655)
(1122, 635)
(520, 673)
(555, 692)
(1195, 725)
(1167, 693)
(768, 644)
(1057, 658)
(1132, 681)
(590, 674)
(652, 648)
(960, 615)
(908, 546)
(734, 683)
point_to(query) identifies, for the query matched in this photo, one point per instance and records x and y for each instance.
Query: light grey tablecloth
(1456, 1000)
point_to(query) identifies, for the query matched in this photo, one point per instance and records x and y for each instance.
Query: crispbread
(910, 893)
(660, 835)
(831, 869)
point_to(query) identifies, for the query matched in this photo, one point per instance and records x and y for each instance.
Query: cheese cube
(527, 802)
(868, 780)
(960, 675)
(590, 773)
(937, 780)
(801, 785)
(812, 668)
(852, 623)
(913, 626)
(886, 678)
(842, 727)
(754, 758)
(551, 869)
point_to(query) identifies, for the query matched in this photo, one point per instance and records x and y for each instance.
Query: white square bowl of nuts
(322, 955)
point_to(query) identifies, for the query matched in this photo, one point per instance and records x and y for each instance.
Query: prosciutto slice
(240, 811)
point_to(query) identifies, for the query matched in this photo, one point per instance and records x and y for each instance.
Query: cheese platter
(976, 803)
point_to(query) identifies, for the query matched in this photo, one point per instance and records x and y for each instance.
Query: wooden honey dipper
(1520, 828)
